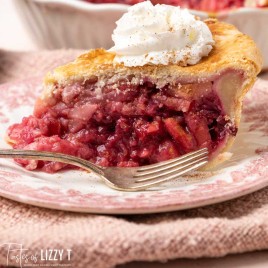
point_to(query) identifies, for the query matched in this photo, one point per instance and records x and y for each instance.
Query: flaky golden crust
(232, 51)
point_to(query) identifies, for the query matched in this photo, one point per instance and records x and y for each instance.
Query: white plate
(245, 172)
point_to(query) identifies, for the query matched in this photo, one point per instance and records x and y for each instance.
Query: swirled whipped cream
(160, 34)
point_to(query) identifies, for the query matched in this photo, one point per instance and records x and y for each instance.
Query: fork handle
(49, 156)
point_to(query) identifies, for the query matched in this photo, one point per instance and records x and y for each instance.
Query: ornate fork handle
(49, 156)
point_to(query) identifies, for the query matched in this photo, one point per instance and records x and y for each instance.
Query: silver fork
(123, 178)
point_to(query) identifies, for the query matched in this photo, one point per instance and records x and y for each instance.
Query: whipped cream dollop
(160, 34)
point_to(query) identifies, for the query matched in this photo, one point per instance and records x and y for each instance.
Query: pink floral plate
(76, 190)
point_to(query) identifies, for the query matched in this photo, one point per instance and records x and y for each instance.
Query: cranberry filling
(204, 5)
(124, 124)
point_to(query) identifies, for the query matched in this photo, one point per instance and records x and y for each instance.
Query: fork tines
(172, 167)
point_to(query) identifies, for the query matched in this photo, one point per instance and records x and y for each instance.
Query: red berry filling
(124, 124)
(204, 5)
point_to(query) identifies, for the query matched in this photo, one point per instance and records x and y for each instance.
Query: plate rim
(230, 195)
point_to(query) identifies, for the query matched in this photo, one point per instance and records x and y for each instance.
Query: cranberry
(127, 125)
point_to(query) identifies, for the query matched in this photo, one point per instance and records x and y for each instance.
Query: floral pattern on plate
(76, 190)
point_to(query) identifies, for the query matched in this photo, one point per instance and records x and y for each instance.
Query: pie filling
(124, 124)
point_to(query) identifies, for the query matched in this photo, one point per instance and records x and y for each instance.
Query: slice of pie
(114, 115)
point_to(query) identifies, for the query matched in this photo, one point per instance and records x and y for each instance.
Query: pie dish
(210, 6)
(128, 116)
